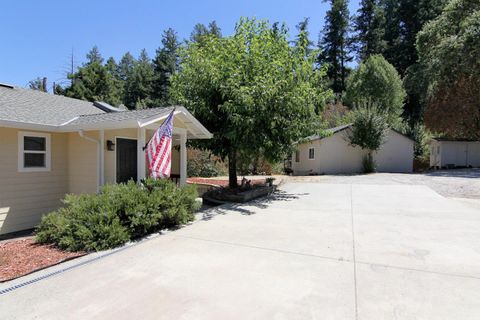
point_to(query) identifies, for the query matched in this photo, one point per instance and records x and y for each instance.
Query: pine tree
(214, 29)
(302, 39)
(335, 44)
(125, 66)
(369, 25)
(138, 86)
(165, 65)
(94, 82)
(199, 31)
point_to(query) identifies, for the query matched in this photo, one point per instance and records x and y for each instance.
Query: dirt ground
(457, 183)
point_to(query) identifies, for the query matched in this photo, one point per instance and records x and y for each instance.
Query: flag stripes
(159, 150)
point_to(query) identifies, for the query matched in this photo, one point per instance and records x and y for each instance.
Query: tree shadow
(249, 208)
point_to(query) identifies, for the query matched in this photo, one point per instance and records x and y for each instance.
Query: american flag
(159, 150)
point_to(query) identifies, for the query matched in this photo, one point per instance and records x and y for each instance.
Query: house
(51, 145)
(334, 154)
(448, 153)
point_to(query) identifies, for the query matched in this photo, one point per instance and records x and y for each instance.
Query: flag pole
(146, 144)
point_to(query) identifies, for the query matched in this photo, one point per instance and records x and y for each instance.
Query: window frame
(310, 149)
(22, 151)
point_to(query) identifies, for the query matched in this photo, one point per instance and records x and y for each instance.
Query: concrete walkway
(314, 251)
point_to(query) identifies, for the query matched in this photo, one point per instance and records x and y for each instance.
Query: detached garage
(334, 154)
(445, 153)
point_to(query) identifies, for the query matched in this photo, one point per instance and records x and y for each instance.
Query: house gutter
(100, 156)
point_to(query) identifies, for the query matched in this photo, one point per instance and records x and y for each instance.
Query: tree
(93, 82)
(254, 92)
(369, 25)
(165, 65)
(38, 84)
(302, 40)
(125, 66)
(375, 80)
(200, 31)
(335, 44)
(449, 54)
(368, 131)
(138, 85)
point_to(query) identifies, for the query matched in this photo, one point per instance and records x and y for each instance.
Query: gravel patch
(457, 183)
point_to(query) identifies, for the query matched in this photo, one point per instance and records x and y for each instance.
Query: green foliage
(138, 86)
(369, 25)
(203, 164)
(449, 46)
(252, 90)
(422, 138)
(375, 80)
(94, 81)
(369, 128)
(335, 44)
(86, 223)
(118, 214)
(165, 65)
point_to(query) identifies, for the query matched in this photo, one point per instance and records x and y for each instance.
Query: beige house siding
(82, 163)
(26, 196)
(110, 156)
(396, 154)
(334, 155)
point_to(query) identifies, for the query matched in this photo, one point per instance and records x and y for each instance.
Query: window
(33, 151)
(438, 149)
(297, 156)
(311, 153)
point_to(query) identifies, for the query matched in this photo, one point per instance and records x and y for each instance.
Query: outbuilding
(448, 153)
(333, 154)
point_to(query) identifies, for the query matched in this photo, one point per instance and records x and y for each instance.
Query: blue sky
(38, 36)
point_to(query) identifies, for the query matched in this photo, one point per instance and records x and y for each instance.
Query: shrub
(203, 164)
(119, 213)
(86, 223)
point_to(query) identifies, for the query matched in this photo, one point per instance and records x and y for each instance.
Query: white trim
(21, 152)
(312, 148)
(183, 159)
(102, 157)
(115, 156)
(141, 174)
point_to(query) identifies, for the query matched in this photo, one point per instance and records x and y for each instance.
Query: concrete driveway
(314, 251)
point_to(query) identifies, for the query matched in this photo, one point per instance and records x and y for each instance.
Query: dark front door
(126, 160)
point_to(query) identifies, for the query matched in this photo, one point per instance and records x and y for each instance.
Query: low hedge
(118, 214)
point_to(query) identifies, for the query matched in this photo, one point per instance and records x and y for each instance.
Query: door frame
(115, 157)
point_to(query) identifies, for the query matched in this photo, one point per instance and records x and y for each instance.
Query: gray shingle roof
(120, 116)
(31, 106)
(330, 131)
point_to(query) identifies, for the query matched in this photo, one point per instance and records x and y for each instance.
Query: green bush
(119, 213)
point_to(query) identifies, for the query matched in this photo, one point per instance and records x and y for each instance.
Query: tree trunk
(232, 168)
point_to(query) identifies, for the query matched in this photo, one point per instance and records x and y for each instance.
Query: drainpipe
(99, 155)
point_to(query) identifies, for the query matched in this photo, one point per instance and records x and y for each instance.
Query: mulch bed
(220, 182)
(24, 256)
